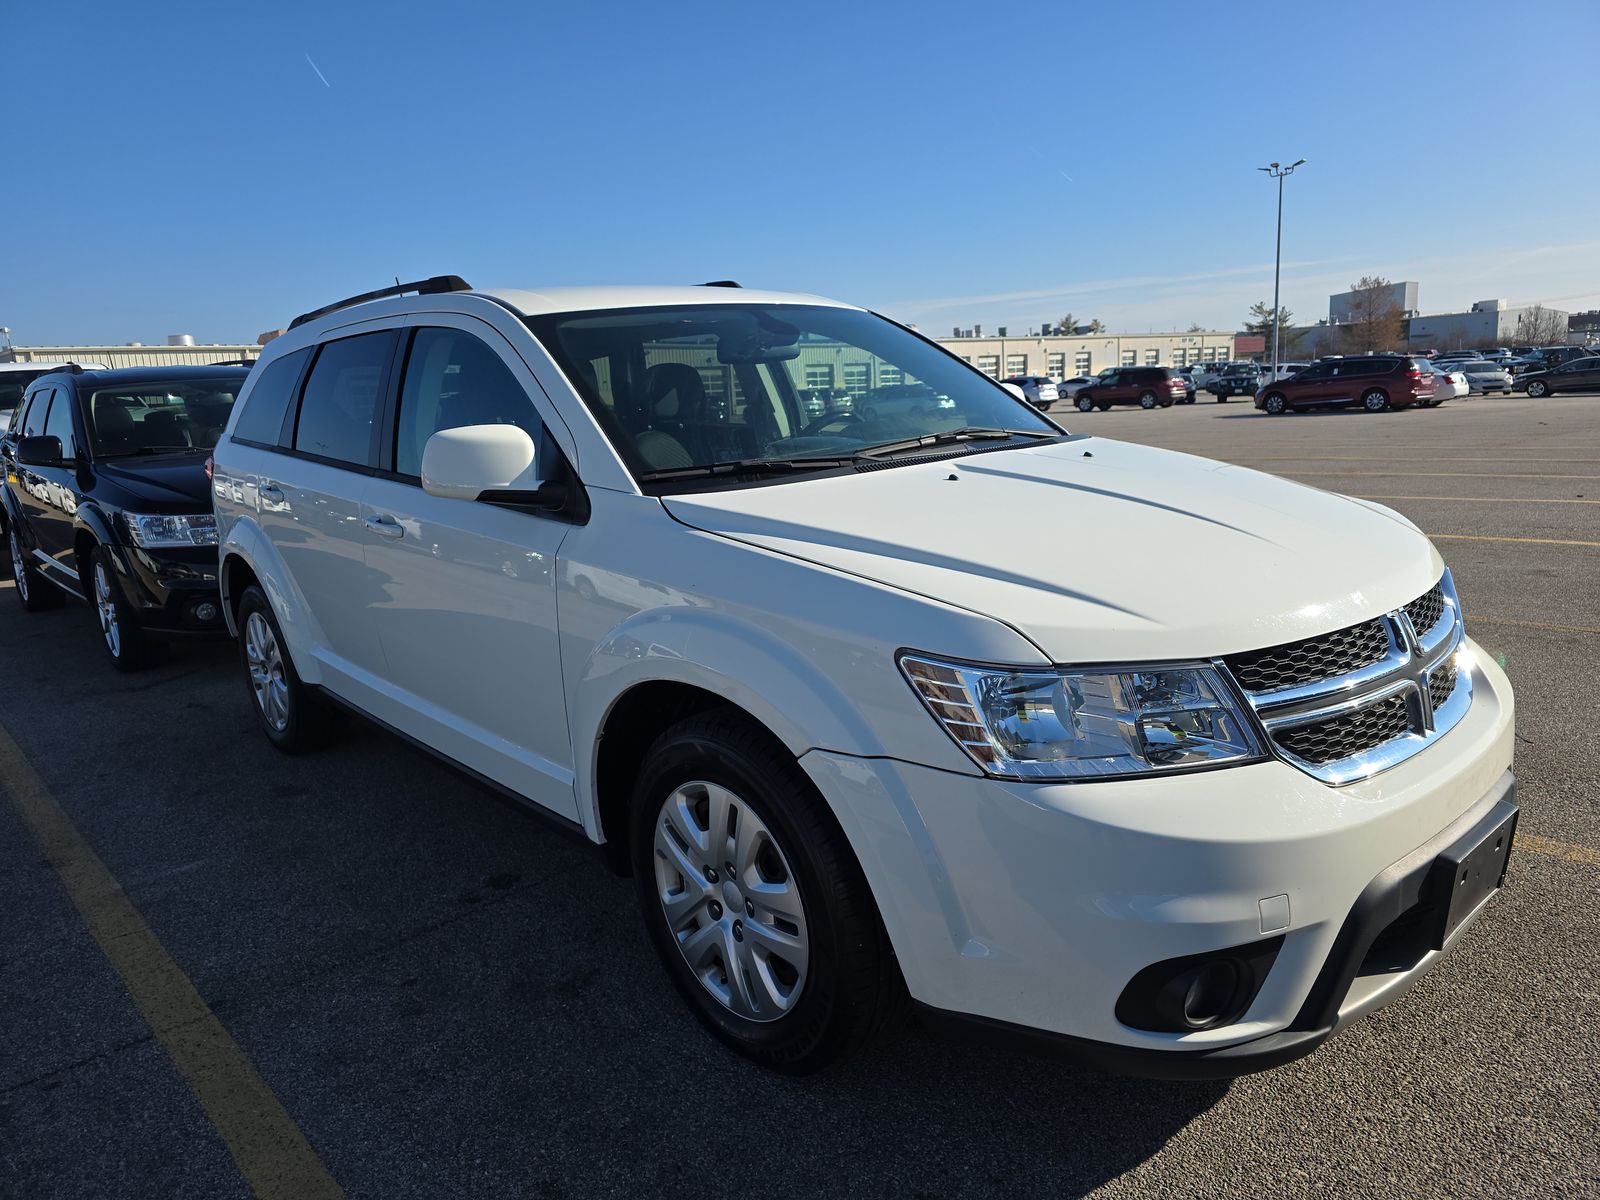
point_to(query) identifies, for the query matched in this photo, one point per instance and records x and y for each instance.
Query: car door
(467, 590)
(28, 484)
(55, 521)
(310, 506)
(1314, 385)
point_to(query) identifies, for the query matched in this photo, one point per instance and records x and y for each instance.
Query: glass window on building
(889, 375)
(989, 364)
(1130, 358)
(1080, 362)
(1152, 358)
(1016, 364)
(1058, 365)
(857, 378)
(819, 375)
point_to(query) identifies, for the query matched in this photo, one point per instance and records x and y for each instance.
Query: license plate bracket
(1469, 872)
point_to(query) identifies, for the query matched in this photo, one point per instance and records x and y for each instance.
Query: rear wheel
(1275, 404)
(1375, 400)
(1147, 400)
(293, 717)
(125, 640)
(34, 591)
(753, 899)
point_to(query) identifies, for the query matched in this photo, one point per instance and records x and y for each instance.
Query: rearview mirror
(464, 463)
(43, 450)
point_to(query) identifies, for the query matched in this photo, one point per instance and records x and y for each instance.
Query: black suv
(106, 498)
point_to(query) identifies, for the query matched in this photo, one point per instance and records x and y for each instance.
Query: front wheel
(753, 898)
(1535, 389)
(1275, 404)
(125, 640)
(1147, 400)
(293, 717)
(1375, 401)
(1085, 404)
(34, 591)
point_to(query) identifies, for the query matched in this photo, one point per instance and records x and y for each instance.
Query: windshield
(160, 417)
(1475, 367)
(683, 388)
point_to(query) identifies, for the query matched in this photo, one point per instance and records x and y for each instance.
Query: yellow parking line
(267, 1146)
(1475, 620)
(1486, 537)
(1476, 499)
(1555, 849)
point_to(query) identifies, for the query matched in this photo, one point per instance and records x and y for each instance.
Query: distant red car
(1148, 387)
(1376, 382)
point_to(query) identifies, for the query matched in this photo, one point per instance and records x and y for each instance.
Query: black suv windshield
(770, 387)
(158, 417)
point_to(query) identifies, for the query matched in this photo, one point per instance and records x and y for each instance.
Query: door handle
(270, 493)
(384, 526)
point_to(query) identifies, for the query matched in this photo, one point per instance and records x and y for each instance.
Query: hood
(1096, 550)
(175, 482)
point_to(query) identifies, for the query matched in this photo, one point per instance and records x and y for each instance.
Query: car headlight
(154, 532)
(1091, 724)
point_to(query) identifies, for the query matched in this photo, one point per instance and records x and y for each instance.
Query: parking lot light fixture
(1278, 172)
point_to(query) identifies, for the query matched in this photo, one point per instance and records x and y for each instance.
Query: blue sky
(216, 168)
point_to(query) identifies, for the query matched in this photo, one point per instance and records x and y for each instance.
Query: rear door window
(261, 421)
(339, 407)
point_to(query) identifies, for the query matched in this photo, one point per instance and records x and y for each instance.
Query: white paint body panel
(504, 639)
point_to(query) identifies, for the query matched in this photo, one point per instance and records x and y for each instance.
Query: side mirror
(464, 463)
(43, 450)
(1016, 390)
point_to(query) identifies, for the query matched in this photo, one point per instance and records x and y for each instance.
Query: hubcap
(106, 606)
(1374, 401)
(742, 932)
(266, 672)
(19, 571)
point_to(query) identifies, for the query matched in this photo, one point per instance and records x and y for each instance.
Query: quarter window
(454, 379)
(262, 418)
(341, 398)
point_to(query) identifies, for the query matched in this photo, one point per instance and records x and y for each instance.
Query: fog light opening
(1211, 995)
(205, 611)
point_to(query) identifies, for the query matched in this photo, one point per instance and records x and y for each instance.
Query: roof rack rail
(722, 283)
(422, 287)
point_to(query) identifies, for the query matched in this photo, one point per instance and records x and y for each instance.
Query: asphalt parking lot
(448, 999)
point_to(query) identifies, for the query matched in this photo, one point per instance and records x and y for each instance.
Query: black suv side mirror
(43, 450)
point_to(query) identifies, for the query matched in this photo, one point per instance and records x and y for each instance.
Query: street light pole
(1278, 173)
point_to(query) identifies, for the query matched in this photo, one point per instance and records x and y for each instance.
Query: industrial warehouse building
(1063, 356)
(180, 350)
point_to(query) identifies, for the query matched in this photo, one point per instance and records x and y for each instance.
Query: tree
(1196, 327)
(1260, 324)
(1068, 324)
(1541, 326)
(1095, 326)
(1375, 319)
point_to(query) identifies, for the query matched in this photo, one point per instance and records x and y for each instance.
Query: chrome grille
(1298, 663)
(1353, 733)
(1345, 705)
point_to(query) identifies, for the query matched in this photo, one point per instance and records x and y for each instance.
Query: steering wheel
(827, 421)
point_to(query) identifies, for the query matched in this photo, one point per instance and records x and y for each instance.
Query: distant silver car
(1067, 389)
(1484, 377)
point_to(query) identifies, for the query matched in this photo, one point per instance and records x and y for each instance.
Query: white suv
(1175, 765)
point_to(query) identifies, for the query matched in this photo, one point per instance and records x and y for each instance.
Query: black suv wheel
(34, 591)
(125, 640)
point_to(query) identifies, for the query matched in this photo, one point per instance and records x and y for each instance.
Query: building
(180, 350)
(1065, 356)
(1401, 296)
(1487, 323)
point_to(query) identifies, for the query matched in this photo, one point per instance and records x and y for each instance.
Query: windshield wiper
(746, 466)
(971, 433)
(148, 450)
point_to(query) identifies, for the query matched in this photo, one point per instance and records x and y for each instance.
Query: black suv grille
(1426, 610)
(1313, 659)
(1340, 737)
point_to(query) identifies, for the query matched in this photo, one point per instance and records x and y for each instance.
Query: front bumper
(1029, 907)
(173, 590)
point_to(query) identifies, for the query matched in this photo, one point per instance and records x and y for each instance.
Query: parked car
(1377, 382)
(1548, 357)
(1148, 387)
(15, 378)
(106, 500)
(1068, 389)
(1146, 824)
(1187, 375)
(1285, 370)
(1484, 376)
(1448, 383)
(1039, 389)
(1578, 375)
(914, 400)
(1238, 379)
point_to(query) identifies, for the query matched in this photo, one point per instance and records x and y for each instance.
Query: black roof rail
(422, 287)
(722, 283)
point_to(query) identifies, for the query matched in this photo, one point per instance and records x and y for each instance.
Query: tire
(1375, 400)
(126, 642)
(1275, 405)
(1147, 400)
(1103, 407)
(1537, 388)
(294, 718)
(34, 592)
(1085, 404)
(1222, 399)
(828, 982)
